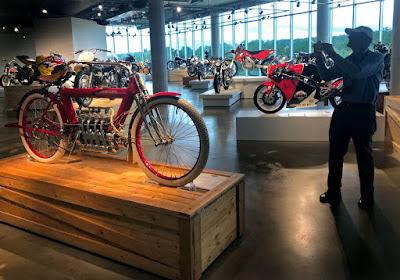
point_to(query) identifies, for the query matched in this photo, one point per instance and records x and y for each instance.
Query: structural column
(215, 35)
(158, 48)
(323, 21)
(395, 63)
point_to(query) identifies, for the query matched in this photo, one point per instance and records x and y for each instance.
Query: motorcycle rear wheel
(179, 161)
(217, 83)
(5, 81)
(170, 65)
(271, 103)
(41, 146)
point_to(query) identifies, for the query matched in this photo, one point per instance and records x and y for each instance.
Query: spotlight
(16, 29)
(132, 20)
(246, 11)
(23, 36)
(99, 14)
(229, 17)
(176, 29)
(179, 9)
(298, 4)
(173, 26)
(204, 22)
(313, 2)
(100, 7)
(261, 12)
(4, 28)
(263, 18)
(44, 11)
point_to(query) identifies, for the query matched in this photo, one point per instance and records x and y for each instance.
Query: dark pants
(358, 123)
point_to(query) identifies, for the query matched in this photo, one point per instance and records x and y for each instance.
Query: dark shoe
(366, 202)
(333, 198)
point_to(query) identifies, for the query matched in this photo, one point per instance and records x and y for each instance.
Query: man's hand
(328, 49)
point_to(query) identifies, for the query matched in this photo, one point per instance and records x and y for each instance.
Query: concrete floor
(289, 234)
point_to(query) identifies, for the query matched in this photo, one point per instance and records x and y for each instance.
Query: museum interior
(193, 139)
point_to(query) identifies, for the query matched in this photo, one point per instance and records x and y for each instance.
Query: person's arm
(366, 68)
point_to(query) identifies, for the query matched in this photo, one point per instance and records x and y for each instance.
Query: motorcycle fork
(160, 134)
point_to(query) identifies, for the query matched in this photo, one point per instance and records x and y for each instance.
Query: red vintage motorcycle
(250, 59)
(298, 85)
(167, 137)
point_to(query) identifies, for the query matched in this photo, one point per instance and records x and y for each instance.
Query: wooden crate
(186, 80)
(107, 206)
(13, 94)
(392, 122)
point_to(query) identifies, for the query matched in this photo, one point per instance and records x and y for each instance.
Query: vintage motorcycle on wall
(167, 137)
(42, 65)
(251, 59)
(298, 85)
(10, 74)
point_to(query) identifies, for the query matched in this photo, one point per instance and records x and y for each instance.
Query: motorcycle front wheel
(192, 71)
(217, 83)
(5, 81)
(170, 65)
(43, 146)
(269, 103)
(234, 66)
(183, 156)
(82, 81)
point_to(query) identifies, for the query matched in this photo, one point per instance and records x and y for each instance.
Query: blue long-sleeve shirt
(361, 74)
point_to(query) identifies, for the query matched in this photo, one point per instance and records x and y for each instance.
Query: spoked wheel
(5, 81)
(184, 153)
(269, 103)
(226, 78)
(170, 65)
(217, 83)
(41, 129)
(82, 81)
(192, 71)
(235, 68)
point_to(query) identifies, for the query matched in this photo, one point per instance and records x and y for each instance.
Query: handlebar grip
(140, 82)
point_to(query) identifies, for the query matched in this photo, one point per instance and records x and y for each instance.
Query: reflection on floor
(290, 235)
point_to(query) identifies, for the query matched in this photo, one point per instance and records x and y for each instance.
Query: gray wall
(13, 44)
(88, 34)
(54, 35)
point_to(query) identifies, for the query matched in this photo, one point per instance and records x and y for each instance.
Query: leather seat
(52, 77)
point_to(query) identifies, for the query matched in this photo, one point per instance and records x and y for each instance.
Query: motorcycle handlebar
(78, 51)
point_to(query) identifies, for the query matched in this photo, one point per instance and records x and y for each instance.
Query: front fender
(165, 93)
(269, 84)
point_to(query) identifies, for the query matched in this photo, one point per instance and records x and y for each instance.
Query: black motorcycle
(178, 63)
(223, 75)
(385, 49)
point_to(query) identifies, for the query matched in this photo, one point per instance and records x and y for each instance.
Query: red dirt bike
(298, 85)
(167, 137)
(251, 59)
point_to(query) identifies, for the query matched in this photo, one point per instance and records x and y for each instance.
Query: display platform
(14, 93)
(224, 99)
(392, 112)
(176, 75)
(292, 125)
(107, 206)
(248, 84)
(202, 84)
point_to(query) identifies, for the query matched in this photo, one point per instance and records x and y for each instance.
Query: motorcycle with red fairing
(298, 86)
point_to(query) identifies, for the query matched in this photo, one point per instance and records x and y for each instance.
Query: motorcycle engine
(248, 63)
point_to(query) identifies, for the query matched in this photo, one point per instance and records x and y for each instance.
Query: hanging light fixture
(100, 7)
(44, 11)
(179, 9)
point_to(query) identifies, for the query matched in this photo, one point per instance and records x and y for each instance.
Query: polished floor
(289, 234)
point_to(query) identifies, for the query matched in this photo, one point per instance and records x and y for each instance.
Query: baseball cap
(361, 29)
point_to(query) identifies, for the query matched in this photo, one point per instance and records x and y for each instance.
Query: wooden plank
(395, 117)
(92, 246)
(240, 204)
(393, 101)
(95, 201)
(197, 266)
(168, 256)
(209, 197)
(392, 130)
(186, 249)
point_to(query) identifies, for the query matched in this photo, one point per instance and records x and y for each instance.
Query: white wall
(87, 35)
(13, 44)
(54, 35)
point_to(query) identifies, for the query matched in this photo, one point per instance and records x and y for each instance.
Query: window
(120, 40)
(189, 46)
(387, 21)
(239, 34)
(227, 32)
(197, 38)
(207, 34)
(367, 14)
(181, 39)
(267, 27)
(342, 19)
(146, 44)
(283, 23)
(300, 27)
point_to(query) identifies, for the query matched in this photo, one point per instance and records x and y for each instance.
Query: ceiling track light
(100, 7)
(178, 9)
(16, 29)
(298, 4)
(99, 14)
(44, 11)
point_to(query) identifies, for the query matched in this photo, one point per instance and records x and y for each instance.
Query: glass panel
(197, 37)
(368, 15)
(207, 34)
(167, 43)
(181, 38)
(283, 23)
(134, 42)
(387, 21)
(109, 38)
(253, 17)
(342, 19)
(189, 46)
(146, 44)
(174, 45)
(239, 34)
(300, 28)
(267, 26)
(227, 39)
(121, 43)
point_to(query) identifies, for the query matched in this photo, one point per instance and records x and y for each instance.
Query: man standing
(355, 117)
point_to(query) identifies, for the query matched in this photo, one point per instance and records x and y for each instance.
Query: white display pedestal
(224, 99)
(292, 125)
(248, 84)
(202, 84)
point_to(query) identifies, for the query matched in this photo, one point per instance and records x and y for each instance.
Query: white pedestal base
(292, 125)
(224, 99)
(202, 84)
(248, 84)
